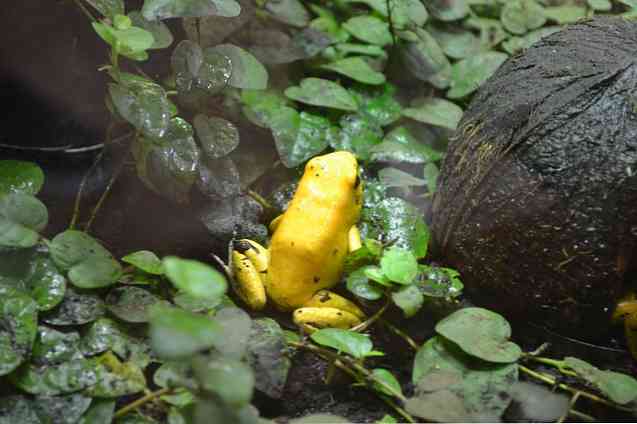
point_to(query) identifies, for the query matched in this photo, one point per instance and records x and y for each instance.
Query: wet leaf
(422, 55)
(448, 10)
(468, 74)
(219, 178)
(473, 390)
(620, 388)
(374, 273)
(394, 219)
(61, 409)
(359, 134)
(235, 326)
(399, 265)
(436, 281)
(565, 14)
(54, 380)
(76, 308)
(409, 299)
(378, 105)
(143, 104)
(327, 23)
(321, 92)
(289, 12)
(129, 41)
(174, 374)
(195, 278)
(176, 333)
(108, 8)
(399, 145)
(267, 356)
(435, 111)
(521, 16)
(196, 70)
(516, 44)
(393, 177)
(369, 29)
(54, 347)
(388, 378)
(263, 108)
(116, 378)
(131, 304)
(19, 318)
(44, 283)
(162, 37)
(17, 409)
(217, 136)
(357, 69)
(162, 9)
(365, 255)
(17, 176)
(355, 344)
(480, 333)
(359, 284)
(231, 380)
(100, 412)
(247, 71)
(145, 260)
(105, 334)
(21, 217)
(95, 272)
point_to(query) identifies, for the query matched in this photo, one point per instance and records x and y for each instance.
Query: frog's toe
(249, 286)
(312, 318)
(327, 299)
(258, 255)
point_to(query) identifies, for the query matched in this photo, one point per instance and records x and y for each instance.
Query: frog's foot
(249, 266)
(327, 309)
(626, 311)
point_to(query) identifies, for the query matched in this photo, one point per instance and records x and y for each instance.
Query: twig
(365, 324)
(142, 400)
(80, 191)
(400, 333)
(582, 416)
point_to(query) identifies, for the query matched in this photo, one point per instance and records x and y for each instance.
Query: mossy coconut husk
(537, 197)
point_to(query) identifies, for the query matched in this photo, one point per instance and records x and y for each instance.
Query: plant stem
(80, 190)
(142, 400)
(400, 333)
(365, 324)
(562, 368)
(260, 199)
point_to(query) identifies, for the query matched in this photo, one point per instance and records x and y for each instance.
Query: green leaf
(68, 377)
(131, 304)
(53, 347)
(521, 16)
(355, 344)
(359, 134)
(322, 92)
(422, 55)
(399, 145)
(67, 409)
(108, 335)
(289, 12)
(565, 14)
(227, 378)
(367, 49)
(436, 281)
(365, 255)
(108, 8)
(448, 10)
(435, 111)
(43, 282)
(327, 23)
(600, 5)
(247, 71)
(469, 74)
(268, 358)
(409, 299)
(374, 273)
(377, 105)
(100, 412)
(394, 177)
(197, 72)
(388, 378)
(18, 313)
(21, 217)
(143, 104)
(217, 136)
(176, 333)
(457, 43)
(399, 265)
(320, 419)
(357, 69)
(164, 9)
(95, 272)
(235, 325)
(17, 176)
(403, 12)
(18, 409)
(369, 29)
(76, 308)
(116, 378)
(516, 44)
(359, 284)
(131, 42)
(452, 386)
(162, 37)
(195, 278)
(480, 333)
(145, 260)
(620, 388)
(431, 173)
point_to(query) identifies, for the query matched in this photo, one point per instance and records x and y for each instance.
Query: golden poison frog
(308, 248)
(626, 312)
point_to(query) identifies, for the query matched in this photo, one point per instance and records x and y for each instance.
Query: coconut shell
(537, 198)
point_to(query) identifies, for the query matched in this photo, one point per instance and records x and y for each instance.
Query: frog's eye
(357, 182)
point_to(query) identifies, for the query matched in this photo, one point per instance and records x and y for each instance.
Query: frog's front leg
(250, 265)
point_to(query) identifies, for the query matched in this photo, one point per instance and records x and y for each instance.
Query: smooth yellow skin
(310, 242)
(626, 312)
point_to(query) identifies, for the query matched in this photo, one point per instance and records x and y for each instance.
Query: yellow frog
(308, 248)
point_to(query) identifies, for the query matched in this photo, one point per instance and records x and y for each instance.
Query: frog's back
(310, 243)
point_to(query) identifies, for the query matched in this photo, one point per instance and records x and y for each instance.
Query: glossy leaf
(457, 43)
(369, 29)
(377, 105)
(399, 265)
(53, 347)
(66, 409)
(76, 308)
(116, 378)
(131, 304)
(357, 69)
(388, 378)
(68, 377)
(195, 278)
(18, 313)
(162, 37)
(355, 344)
(394, 177)
(20, 177)
(217, 136)
(163, 9)
(439, 282)
(143, 104)
(435, 111)
(399, 145)
(359, 134)
(321, 92)
(291, 12)
(145, 260)
(247, 71)
(131, 42)
(196, 71)
(100, 412)
(108, 335)
(480, 333)
(620, 388)
(409, 299)
(422, 55)
(358, 283)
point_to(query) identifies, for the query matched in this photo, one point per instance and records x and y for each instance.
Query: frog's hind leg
(626, 311)
(327, 309)
(249, 266)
